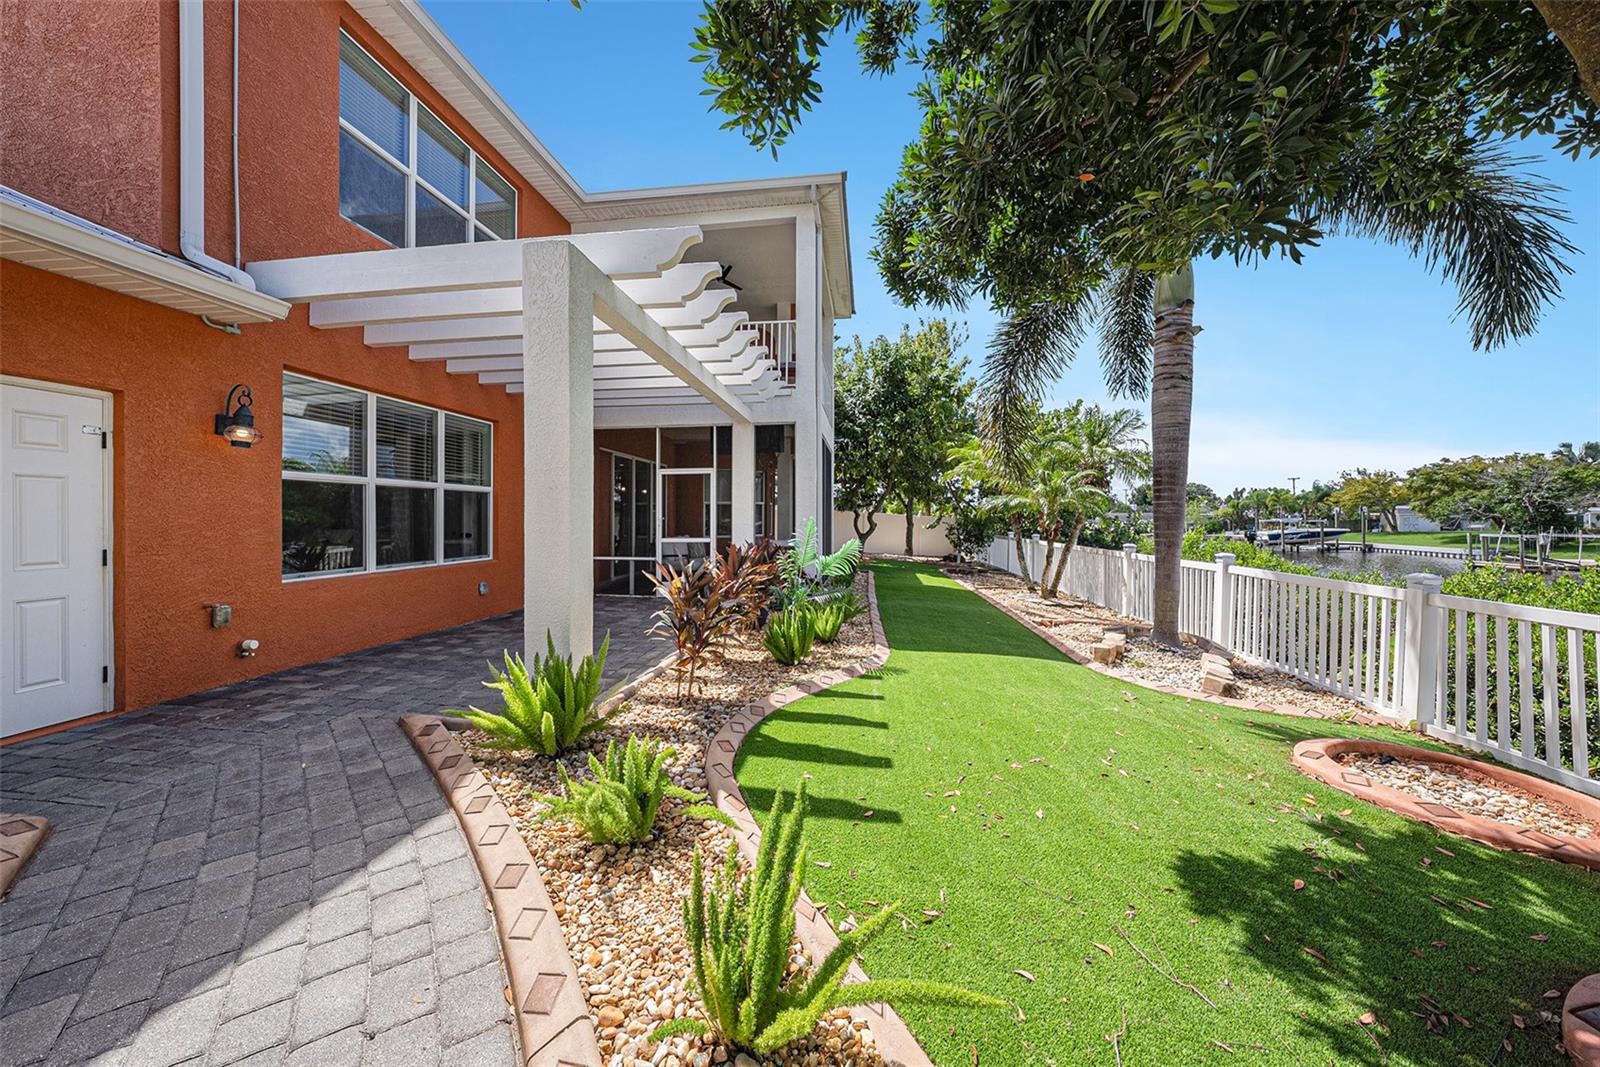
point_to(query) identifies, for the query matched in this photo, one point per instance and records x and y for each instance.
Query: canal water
(1394, 566)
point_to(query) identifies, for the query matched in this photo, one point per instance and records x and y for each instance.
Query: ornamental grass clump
(547, 709)
(790, 634)
(620, 803)
(740, 932)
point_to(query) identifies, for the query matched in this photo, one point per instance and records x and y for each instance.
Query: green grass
(1566, 548)
(1181, 823)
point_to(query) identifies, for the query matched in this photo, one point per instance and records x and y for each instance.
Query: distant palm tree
(977, 465)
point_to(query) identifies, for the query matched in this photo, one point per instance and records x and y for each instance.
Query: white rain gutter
(192, 145)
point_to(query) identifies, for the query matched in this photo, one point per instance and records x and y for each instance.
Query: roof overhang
(37, 235)
(412, 33)
(659, 331)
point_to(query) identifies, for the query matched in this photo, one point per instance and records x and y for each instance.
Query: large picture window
(404, 175)
(371, 483)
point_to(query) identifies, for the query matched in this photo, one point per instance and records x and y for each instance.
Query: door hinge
(105, 675)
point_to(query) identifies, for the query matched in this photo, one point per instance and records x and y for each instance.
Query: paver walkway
(262, 874)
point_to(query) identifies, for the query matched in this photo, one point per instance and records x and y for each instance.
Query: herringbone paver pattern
(264, 874)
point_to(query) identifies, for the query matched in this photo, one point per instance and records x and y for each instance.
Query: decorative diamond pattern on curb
(1580, 1022)
(20, 838)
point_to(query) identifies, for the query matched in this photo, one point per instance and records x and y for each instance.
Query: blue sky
(1350, 359)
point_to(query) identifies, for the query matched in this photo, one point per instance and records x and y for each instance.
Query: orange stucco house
(307, 344)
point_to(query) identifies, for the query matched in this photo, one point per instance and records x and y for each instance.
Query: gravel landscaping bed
(1081, 624)
(621, 905)
(1475, 794)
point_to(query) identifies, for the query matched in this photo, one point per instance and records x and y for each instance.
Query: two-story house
(308, 344)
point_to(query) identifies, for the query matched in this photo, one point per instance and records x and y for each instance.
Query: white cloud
(1226, 453)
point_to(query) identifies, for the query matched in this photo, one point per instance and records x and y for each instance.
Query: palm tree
(977, 465)
(1062, 499)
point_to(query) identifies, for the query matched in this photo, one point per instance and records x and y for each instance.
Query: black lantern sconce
(236, 422)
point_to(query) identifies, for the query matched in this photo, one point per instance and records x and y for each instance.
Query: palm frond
(1127, 314)
(1492, 230)
(1032, 347)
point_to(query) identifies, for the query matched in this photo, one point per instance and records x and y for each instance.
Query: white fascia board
(399, 334)
(417, 307)
(51, 242)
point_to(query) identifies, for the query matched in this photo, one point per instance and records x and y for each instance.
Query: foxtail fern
(740, 932)
(547, 709)
(621, 802)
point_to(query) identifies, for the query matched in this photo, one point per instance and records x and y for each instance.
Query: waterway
(1394, 566)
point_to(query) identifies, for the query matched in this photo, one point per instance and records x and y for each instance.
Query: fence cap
(1424, 580)
(1130, 547)
(1225, 558)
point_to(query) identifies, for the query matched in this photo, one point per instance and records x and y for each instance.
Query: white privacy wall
(1514, 681)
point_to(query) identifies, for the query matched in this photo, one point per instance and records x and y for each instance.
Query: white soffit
(463, 304)
(37, 235)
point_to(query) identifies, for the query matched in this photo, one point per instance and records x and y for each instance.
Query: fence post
(1222, 616)
(1129, 604)
(1420, 647)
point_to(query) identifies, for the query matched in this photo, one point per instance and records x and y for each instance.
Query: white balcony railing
(777, 336)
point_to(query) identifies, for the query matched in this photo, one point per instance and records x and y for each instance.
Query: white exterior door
(53, 541)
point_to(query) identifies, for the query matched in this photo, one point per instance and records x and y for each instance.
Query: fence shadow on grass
(1377, 926)
(760, 799)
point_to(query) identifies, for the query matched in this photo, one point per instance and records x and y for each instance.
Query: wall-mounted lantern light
(236, 422)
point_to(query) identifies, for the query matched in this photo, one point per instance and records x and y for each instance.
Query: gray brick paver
(262, 873)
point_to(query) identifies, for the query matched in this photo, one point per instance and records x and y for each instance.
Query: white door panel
(53, 585)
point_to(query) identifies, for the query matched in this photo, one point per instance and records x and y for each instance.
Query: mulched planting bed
(621, 905)
(1477, 794)
(1081, 624)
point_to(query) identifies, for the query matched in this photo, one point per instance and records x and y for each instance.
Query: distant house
(1407, 520)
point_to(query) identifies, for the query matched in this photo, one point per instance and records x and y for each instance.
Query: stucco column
(744, 482)
(809, 351)
(558, 448)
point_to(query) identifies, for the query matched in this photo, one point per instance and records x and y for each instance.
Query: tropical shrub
(740, 930)
(547, 709)
(620, 803)
(827, 618)
(790, 633)
(972, 528)
(805, 571)
(749, 573)
(700, 612)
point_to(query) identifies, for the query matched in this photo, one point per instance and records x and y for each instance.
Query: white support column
(558, 447)
(744, 482)
(808, 352)
(1419, 663)
(1222, 617)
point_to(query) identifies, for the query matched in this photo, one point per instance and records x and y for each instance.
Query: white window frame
(371, 481)
(475, 230)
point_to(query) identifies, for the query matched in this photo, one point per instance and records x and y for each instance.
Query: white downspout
(192, 145)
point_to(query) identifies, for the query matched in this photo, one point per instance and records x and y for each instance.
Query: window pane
(324, 427)
(322, 527)
(441, 157)
(497, 202)
(372, 194)
(405, 441)
(466, 524)
(466, 451)
(437, 223)
(371, 100)
(405, 526)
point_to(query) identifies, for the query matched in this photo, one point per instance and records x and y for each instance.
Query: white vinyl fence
(1514, 681)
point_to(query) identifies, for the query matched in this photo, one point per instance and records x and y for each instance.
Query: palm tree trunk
(1577, 25)
(1066, 554)
(1171, 404)
(1045, 589)
(1022, 551)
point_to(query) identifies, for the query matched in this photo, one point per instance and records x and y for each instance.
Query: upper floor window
(404, 175)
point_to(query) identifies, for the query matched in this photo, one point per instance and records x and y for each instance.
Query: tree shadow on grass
(761, 798)
(830, 718)
(764, 746)
(1403, 921)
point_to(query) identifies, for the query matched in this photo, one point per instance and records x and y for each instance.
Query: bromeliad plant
(621, 802)
(740, 931)
(806, 571)
(547, 709)
(791, 632)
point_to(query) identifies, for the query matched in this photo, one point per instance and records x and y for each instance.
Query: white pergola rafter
(464, 305)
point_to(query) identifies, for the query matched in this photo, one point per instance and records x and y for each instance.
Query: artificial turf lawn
(1039, 807)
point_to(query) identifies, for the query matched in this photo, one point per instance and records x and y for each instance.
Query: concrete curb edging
(891, 1036)
(553, 1023)
(1581, 1036)
(1361, 718)
(1319, 759)
(20, 838)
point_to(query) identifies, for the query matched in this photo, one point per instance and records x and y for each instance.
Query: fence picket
(1580, 701)
(1525, 686)
(1549, 662)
